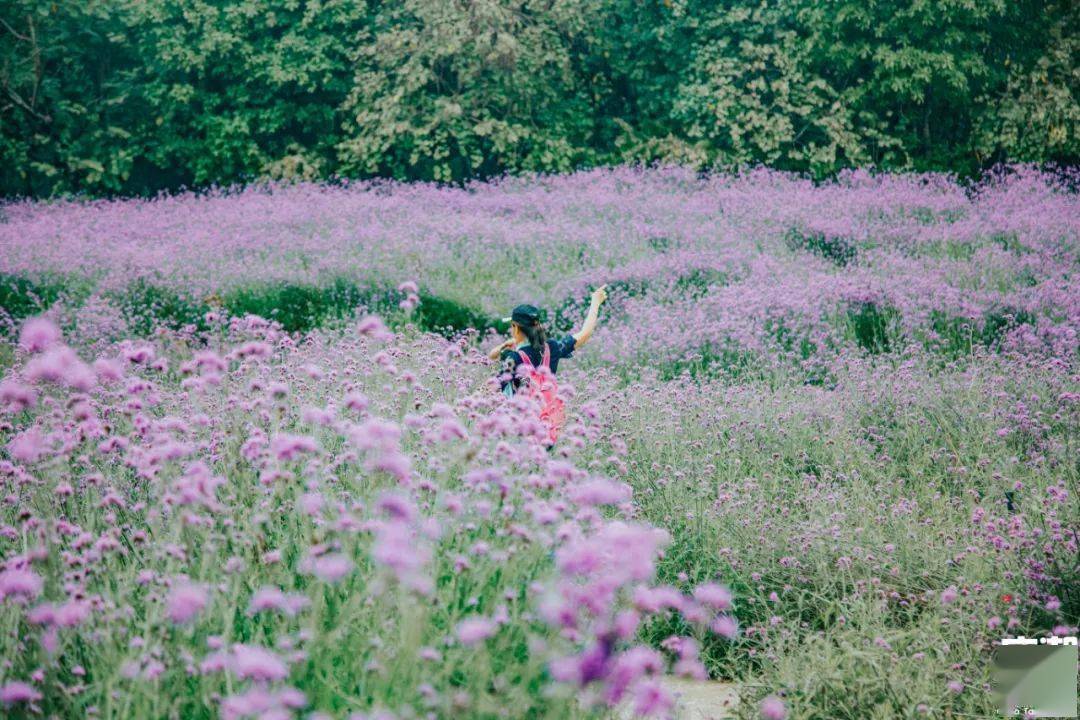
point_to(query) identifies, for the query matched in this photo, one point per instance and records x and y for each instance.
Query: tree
(462, 89)
(235, 90)
(62, 123)
(1036, 116)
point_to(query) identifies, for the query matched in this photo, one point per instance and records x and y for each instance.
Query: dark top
(509, 360)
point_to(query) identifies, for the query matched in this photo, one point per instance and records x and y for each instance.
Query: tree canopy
(137, 96)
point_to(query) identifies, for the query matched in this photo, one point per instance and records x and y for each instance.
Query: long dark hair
(535, 334)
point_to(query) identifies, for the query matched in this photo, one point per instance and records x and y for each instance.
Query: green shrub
(300, 307)
(21, 297)
(711, 360)
(1009, 241)
(449, 317)
(147, 306)
(923, 215)
(957, 250)
(765, 490)
(698, 281)
(872, 325)
(789, 339)
(958, 336)
(836, 249)
(659, 243)
(998, 321)
(954, 335)
(297, 307)
(845, 675)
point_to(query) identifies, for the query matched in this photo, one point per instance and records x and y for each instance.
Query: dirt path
(698, 700)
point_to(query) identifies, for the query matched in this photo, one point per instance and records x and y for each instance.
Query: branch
(13, 32)
(38, 72)
(22, 103)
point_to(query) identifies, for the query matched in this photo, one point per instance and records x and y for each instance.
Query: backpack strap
(546, 361)
(525, 358)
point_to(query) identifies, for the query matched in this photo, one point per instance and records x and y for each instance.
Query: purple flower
(24, 585)
(397, 506)
(356, 401)
(28, 446)
(272, 598)
(600, 492)
(331, 568)
(311, 503)
(475, 630)
(72, 613)
(252, 662)
(15, 396)
(373, 327)
(186, 601)
(375, 434)
(715, 596)
(773, 708)
(629, 667)
(17, 691)
(289, 447)
(264, 704)
(726, 626)
(38, 334)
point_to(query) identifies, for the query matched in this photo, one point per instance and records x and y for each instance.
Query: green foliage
(21, 297)
(699, 281)
(64, 125)
(242, 89)
(712, 361)
(300, 308)
(953, 336)
(447, 316)
(1037, 115)
(836, 249)
(447, 91)
(872, 325)
(138, 96)
(304, 307)
(998, 321)
(956, 336)
(147, 306)
(752, 95)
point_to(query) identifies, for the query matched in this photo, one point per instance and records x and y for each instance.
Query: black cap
(524, 315)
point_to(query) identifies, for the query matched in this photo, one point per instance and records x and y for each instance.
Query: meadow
(255, 463)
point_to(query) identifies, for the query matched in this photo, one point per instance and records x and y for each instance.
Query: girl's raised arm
(598, 297)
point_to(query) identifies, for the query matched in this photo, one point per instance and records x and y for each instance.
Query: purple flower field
(255, 463)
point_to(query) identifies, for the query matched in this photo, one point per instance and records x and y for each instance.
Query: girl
(528, 336)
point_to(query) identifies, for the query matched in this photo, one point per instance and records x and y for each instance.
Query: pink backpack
(540, 384)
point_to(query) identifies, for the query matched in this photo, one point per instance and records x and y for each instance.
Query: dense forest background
(137, 96)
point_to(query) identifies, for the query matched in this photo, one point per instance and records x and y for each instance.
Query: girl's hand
(498, 349)
(599, 295)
